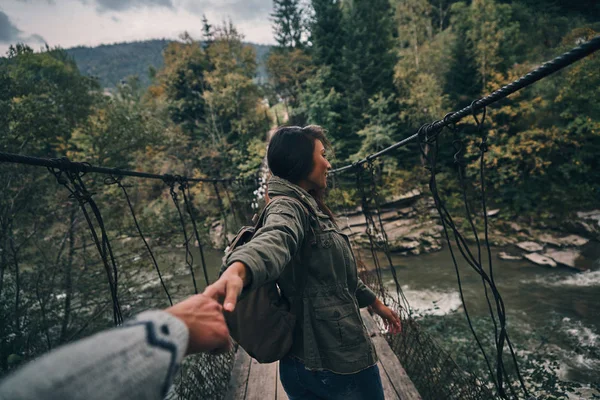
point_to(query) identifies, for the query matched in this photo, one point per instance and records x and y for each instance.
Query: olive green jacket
(329, 332)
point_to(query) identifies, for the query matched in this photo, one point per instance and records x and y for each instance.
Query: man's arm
(134, 361)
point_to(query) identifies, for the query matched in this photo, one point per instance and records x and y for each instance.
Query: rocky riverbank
(413, 227)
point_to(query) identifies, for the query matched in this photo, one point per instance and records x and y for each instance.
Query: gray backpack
(263, 322)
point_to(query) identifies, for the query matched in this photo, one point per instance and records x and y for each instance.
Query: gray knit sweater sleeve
(134, 361)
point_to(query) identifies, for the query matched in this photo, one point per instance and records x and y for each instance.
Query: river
(556, 306)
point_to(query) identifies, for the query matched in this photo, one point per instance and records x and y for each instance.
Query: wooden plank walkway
(254, 381)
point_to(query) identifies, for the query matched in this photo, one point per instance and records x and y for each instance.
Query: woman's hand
(229, 285)
(391, 321)
(206, 325)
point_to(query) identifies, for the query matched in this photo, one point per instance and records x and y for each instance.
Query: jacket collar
(282, 187)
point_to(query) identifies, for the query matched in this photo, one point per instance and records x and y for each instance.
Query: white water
(430, 301)
(581, 279)
(584, 335)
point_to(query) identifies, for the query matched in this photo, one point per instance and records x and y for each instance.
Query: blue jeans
(302, 384)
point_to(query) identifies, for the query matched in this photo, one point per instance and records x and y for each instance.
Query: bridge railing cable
(66, 164)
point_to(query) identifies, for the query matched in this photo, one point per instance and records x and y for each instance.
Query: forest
(370, 71)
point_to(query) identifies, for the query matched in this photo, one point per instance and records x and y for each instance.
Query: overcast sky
(69, 23)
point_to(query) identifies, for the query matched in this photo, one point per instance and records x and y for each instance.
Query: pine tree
(207, 33)
(368, 62)
(369, 47)
(327, 32)
(288, 24)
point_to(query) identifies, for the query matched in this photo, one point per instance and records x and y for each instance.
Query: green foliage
(118, 131)
(380, 127)
(185, 68)
(322, 105)
(328, 38)
(545, 141)
(46, 99)
(288, 72)
(354, 41)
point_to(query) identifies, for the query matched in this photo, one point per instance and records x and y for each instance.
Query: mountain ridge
(112, 63)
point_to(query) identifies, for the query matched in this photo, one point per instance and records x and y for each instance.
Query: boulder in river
(564, 257)
(404, 245)
(505, 256)
(591, 215)
(573, 240)
(530, 246)
(492, 213)
(540, 259)
(405, 211)
(404, 199)
(549, 239)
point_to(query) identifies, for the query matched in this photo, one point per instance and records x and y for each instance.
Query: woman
(332, 356)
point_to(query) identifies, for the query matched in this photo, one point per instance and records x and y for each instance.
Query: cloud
(9, 33)
(51, 2)
(123, 5)
(236, 9)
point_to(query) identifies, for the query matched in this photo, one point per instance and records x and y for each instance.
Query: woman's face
(318, 176)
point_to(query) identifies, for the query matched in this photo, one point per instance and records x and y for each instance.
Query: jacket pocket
(337, 326)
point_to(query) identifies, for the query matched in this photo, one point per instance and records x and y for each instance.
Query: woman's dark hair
(290, 155)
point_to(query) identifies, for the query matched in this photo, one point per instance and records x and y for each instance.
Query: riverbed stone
(515, 227)
(540, 259)
(353, 220)
(404, 199)
(564, 257)
(574, 240)
(530, 246)
(549, 239)
(404, 245)
(593, 215)
(493, 213)
(505, 256)
(405, 210)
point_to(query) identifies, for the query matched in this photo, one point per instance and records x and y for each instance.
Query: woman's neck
(306, 185)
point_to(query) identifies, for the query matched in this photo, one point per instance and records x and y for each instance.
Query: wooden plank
(400, 380)
(389, 392)
(236, 389)
(280, 395)
(390, 365)
(262, 381)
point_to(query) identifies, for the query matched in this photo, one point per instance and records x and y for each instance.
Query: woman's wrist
(240, 269)
(376, 305)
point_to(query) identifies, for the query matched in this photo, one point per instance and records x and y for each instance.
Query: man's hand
(206, 324)
(390, 318)
(229, 286)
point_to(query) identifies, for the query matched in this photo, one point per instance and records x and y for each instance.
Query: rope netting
(432, 369)
(147, 261)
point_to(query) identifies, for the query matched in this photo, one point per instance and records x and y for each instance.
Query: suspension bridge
(413, 365)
